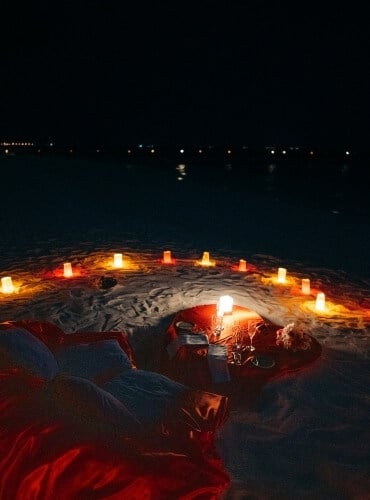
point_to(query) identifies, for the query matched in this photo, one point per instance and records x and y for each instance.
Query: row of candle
(8, 287)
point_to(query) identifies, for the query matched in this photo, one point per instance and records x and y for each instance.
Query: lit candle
(320, 301)
(117, 260)
(167, 257)
(242, 265)
(205, 259)
(67, 270)
(7, 285)
(306, 289)
(225, 305)
(281, 275)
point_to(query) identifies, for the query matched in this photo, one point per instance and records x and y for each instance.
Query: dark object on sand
(106, 282)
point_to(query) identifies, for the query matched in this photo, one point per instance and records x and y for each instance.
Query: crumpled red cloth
(47, 454)
(190, 364)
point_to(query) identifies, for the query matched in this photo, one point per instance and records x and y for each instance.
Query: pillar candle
(167, 259)
(205, 259)
(242, 265)
(320, 301)
(117, 260)
(7, 285)
(306, 289)
(281, 275)
(67, 270)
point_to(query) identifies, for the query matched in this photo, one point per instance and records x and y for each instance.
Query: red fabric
(190, 364)
(47, 454)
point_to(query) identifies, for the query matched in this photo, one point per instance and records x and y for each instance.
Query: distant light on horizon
(347, 153)
(182, 151)
(272, 151)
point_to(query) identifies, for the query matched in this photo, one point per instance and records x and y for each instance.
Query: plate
(263, 362)
(184, 325)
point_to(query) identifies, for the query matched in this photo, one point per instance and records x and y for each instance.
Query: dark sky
(250, 72)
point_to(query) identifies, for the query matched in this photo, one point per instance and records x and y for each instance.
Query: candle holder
(281, 277)
(306, 287)
(117, 260)
(67, 270)
(167, 258)
(7, 285)
(242, 265)
(320, 302)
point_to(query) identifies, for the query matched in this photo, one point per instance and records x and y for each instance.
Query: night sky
(247, 72)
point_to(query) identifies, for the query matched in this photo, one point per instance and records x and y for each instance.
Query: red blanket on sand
(48, 454)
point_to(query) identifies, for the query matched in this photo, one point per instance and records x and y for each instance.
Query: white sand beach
(308, 436)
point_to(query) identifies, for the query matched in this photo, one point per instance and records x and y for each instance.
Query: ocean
(312, 211)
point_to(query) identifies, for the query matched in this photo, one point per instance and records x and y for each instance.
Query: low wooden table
(190, 363)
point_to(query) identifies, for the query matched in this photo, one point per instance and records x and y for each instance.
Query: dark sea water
(308, 211)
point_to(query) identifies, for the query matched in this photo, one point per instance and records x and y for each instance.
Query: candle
(117, 260)
(167, 257)
(7, 285)
(242, 265)
(281, 275)
(67, 270)
(205, 259)
(306, 289)
(225, 305)
(320, 301)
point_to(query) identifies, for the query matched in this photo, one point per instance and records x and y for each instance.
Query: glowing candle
(281, 275)
(167, 257)
(7, 285)
(225, 305)
(117, 260)
(67, 270)
(205, 259)
(306, 289)
(320, 301)
(242, 265)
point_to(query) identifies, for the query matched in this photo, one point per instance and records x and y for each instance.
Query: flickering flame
(117, 260)
(281, 275)
(242, 265)
(320, 302)
(306, 287)
(225, 305)
(7, 285)
(67, 270)
(167, 259)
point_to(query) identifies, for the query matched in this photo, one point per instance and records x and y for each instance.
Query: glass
(237, 346)
(252, 330)
(217, 324)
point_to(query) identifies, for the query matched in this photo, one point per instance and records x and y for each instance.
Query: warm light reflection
(7, 285)
(281, 277)
(117, 260)
(67, 270)
(242, 265)
(306, 286)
